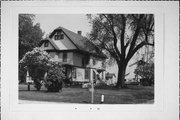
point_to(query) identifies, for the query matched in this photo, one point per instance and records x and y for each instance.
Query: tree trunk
(121, 76)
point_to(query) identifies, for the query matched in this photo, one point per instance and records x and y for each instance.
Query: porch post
(104, 76)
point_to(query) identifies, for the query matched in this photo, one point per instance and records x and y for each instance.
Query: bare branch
(138, 47)
(136, 34)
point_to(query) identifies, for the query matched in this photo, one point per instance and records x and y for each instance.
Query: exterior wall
(70, 58)
(52, 54)
(64, 44)
(77, 59)
(59, 57)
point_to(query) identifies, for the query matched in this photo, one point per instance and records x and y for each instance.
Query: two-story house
(83, 60)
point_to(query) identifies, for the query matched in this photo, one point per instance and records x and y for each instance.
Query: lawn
(134, 94)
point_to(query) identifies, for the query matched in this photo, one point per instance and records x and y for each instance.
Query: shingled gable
(51, 42)
(82, 43)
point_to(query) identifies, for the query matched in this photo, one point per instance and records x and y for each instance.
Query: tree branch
(136, 34)
(138, 47)
(123, 49)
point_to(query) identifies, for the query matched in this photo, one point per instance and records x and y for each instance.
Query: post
(102, 99)
(92, 91)
(28, 86)
(27, 80)
(92, 86)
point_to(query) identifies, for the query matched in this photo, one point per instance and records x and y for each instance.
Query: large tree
(121, 36)
(29, 33)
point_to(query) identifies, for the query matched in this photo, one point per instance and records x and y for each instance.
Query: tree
(30, 34)
(120, 36)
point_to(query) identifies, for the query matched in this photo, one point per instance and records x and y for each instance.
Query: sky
(73, 22)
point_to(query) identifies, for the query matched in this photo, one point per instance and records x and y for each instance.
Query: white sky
(73, 22)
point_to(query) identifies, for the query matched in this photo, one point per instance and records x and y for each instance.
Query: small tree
(55, 76)
(37, 62)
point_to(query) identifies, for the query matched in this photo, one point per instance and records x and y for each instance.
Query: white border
(164, 13)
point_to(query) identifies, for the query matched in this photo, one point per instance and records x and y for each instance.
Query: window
(87, 74)
(59, 36)
(46, 44)
(64, 57)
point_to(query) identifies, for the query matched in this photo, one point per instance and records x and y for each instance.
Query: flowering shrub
(55, 76)
(37, 63)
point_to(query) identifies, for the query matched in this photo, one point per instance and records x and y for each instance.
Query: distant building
(111, 78)
(82, 60)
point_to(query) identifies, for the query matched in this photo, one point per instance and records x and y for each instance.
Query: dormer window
(59, 36)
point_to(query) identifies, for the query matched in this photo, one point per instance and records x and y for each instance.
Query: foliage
(102, 85)
(30, 34)
(146, 71)
(120, 36)
(55, 76)
(37, 63)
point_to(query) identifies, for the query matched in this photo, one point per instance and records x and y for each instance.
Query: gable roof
(82, 43)
(51, 42)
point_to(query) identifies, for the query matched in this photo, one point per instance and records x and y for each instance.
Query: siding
(77, 59)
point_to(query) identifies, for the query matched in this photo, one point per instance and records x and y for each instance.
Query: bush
(102, 85)
(54, 79)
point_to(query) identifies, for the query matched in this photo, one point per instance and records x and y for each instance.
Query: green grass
(132, 95)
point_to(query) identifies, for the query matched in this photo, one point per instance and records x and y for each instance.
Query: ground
(134, 94)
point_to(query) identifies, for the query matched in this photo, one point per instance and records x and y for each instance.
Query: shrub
(55, 76)
(102, 85)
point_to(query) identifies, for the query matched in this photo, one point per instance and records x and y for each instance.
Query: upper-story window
(64, 57)
(59, 36)
(46, 44)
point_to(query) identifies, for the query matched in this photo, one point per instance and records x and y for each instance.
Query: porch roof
(67, 64)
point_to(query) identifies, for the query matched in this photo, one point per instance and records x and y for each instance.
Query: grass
(132, 95)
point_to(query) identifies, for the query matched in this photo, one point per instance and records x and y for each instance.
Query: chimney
(79, 32)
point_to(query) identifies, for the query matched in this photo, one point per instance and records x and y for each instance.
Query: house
(82, 60)
(111, 79)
